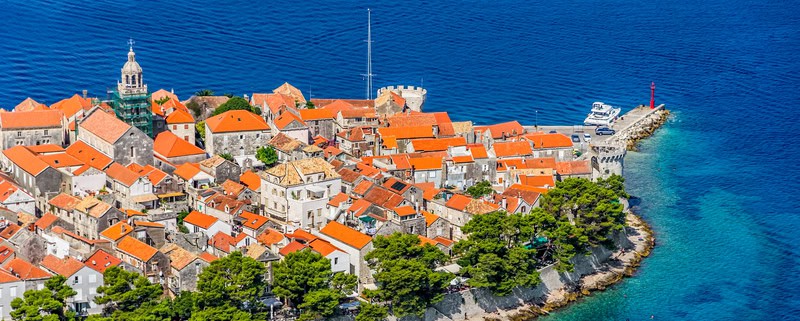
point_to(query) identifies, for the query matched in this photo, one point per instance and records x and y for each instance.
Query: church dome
(131, 66)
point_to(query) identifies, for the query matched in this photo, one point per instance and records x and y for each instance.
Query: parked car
(553, 132)
(587, 137)
(576, 138)
(604, 131)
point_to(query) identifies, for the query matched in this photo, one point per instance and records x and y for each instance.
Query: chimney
(85, 93)
(503, 202)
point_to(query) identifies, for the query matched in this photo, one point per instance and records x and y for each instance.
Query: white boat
(601, 115)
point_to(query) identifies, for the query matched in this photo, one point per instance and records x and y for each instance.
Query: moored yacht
(601, 115)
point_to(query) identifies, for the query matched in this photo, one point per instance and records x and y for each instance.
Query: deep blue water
(718, 183)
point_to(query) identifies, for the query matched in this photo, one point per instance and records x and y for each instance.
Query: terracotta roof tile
(89, 155)
(122, 174)
(222, 241)
(66, 266)
(581, 167)
(236, 121)
(117, 231)
(179, 117)
(540, 190)
(25, 270)
(323, 247)
(45, 148)
(251, 180)
(440, 144)
(338, 199)
(458, 202)
(31, 119)
(407, 132)
(73, 105)
(541, 162)
(64, 201)
(288, 89)
(528, 196)
(508, 129)
(25, 159)
(10, 230)
(270, 236)
(537, 180)
(29, 105)
(199, 219)
(405, 210)
(179, 257)
(187, 171)
(547, 140)
(426, 163)
(346, 103)
(208, 257)
(101, 260)
(512, 149)
(60, 160)
(292, 247)
(104, 125)
(286, 119)
(443, 241)
(316, 114)
(136, 248)
(430, 218)
(346, 235)
(5, 253)
(253, 221)
(46, 221)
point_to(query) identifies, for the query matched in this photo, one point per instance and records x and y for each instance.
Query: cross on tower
(131, 43)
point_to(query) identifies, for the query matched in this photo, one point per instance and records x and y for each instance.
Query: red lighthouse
(652, 95)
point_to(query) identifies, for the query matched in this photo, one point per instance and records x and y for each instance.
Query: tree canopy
(201, 129)
(236, 103)
(48, 304)
(204, 92)
(304, 278)
(371, 312)
(267, 155)
(230, 283)
(480, 189)
(405, 273)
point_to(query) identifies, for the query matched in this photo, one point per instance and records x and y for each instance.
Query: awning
(144, 198)
(316, 189)
(366, 219)
(173, 194)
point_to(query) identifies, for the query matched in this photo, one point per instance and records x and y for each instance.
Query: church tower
(131, 100)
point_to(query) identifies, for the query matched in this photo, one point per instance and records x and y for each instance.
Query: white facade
(340, 261)
(303, 205)
(8, 292)
(185, 131)
(19, 200)
(218, 226)
(85, 282)
(90, 181)
(56, 246)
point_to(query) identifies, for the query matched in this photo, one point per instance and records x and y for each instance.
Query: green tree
(182, 215)
(183, 305)
(372, 312)
(300, 273)
(319, 304)
(204, 92)
(405, 273)
(267, 155)
(480, 189)
(162, 100)
(495, 254)
(201, 129)
(48, 304)
(310, 105)
(125, 291)
(226, 156)
(235, 103)
(232, 282)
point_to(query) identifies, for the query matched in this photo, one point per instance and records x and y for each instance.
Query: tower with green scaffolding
(131, 100)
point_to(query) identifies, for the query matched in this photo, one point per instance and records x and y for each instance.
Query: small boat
(601, 115)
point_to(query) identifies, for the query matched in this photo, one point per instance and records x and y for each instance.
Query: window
(432, 174)
(92, 278)
(186, 138)
(133, 152)
(19, 134)
(335, 260)
(79, 294)
(174, 127)
(185, 126)
(92, 291)
(241, 136)
(13, 291)
(45, 131)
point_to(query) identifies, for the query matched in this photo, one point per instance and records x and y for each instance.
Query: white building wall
(85, 282)
(8, 292)
(340, 261)
(20, 201)
(83, 184)
(56, 246)
(184, 131)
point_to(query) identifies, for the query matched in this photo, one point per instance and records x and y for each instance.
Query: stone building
(32, 173)
(238, 133)
(81, 278)
(124, 143)
(221, 169)
(185, 268)
(170, 151)
(297, 192)
(38, 127)
(320, 122)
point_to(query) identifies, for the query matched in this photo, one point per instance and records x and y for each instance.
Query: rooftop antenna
(369, 73)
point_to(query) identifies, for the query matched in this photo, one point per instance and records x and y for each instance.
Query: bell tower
(131, 100)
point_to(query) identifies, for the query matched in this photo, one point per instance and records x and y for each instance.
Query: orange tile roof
(302, 235)
(407, 132)
(405, 210)
(429, 217)
(574, 167)
(232, 188)
(439, 144)
(10, 230)
(323, 247)
(200, 220)
(426, 163)
(253, 221)
(236, 121)
(443, 241)
(346, 235)
(251, 180)
(540, 190)
(286, 119)
(89, 155)
(25, 159)
(358, 113)
(478, 151)
(539, 180)
(541, 162)
(338, 199)
(45, 148)
(31, 119)
(359, 206)
(411, 120)
(179, 117)
(66, 266)
(509, 129)
(362, 187)
(168, 144)
(332, 151)
(64, 201)
(6, 277)
(122, 174)
(136, 248)
(222, 241)
(512, 149)
(7, 189)
(187, 171)
(5, 253)
(292, 247)
(389, 142)
(161, 93)
(104, 125)
(424, 240)
(208, 257)
(463, 159)
(29, 105)
(316, 114)
(60, 160)
(458, 202)
(101, 260)
(179, 257)
(288, 89)
(73, 105)
(117, 231)
(149, 224)
(25, 270)
(270, 236)
(429, 190)
(529, 196)
(45, 221)
(547, 140)
(327, 102)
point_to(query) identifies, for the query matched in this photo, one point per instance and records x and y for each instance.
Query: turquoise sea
(719, 183)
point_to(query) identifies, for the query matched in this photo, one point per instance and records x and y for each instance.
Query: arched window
(134, 79)
(140, 79)
(127, 80)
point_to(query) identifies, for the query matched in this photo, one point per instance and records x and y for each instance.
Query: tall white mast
(369, 73)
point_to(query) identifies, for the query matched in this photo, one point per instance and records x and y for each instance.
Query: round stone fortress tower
(414, 96)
